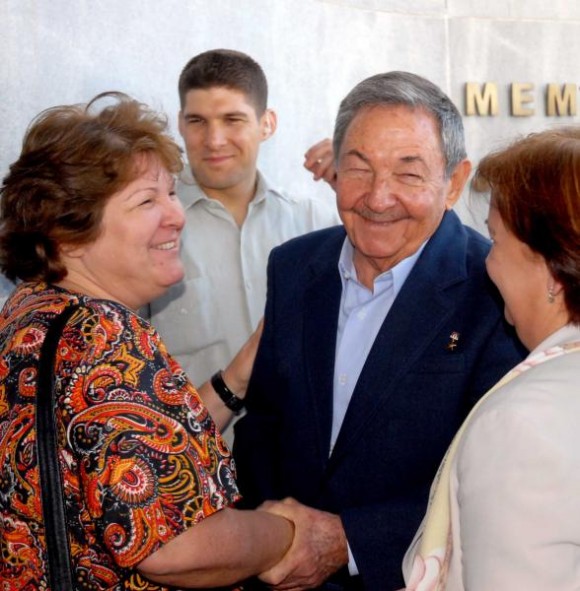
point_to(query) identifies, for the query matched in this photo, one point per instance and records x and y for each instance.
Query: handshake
(318, 550)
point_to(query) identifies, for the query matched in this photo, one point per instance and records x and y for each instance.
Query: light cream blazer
(515, 484)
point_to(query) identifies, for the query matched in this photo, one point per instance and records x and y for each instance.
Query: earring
(551, 298)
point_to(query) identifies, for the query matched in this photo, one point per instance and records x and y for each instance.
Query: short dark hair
(535, 185)
(74, 158)
(227, 68)
(415, 92)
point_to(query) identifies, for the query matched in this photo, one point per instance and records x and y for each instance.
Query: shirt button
(362, 314)
(342, 379)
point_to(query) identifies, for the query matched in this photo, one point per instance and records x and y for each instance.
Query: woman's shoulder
(96, 324)
(94, 308)
(553, 380)
(38, 299)
(105, 325)
(550, 374)
(542, 403)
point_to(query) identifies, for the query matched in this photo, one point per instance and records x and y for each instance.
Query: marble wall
(313, 52)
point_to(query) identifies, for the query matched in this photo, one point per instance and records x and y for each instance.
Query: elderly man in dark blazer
(379, 337)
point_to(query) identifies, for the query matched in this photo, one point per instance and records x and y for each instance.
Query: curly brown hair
(535, 184)
(73, 159)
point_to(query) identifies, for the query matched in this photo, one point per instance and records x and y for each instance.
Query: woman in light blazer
(504, 512)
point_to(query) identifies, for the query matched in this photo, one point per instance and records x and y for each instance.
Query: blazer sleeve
(517, 489)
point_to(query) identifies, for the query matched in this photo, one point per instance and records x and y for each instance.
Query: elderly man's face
(391, 185)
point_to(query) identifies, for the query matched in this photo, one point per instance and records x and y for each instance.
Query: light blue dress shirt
(361, 315)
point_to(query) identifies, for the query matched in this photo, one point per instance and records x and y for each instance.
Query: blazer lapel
(322, 302)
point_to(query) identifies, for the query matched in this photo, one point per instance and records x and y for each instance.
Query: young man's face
(222, 134)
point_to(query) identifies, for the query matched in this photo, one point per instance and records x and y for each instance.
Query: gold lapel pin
(453, 340)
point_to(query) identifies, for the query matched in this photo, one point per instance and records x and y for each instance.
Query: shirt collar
(398, 274)
(190, 192)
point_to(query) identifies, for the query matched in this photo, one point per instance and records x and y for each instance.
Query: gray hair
(404, 88)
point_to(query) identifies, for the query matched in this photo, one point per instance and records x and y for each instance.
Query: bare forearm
(219, 412)
(236, 376)
(224, 548)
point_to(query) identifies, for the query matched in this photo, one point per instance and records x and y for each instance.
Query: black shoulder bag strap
(53, 506)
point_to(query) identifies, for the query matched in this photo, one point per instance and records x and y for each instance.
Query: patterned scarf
(432, 545)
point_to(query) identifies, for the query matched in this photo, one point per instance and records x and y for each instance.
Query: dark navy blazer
(411, 397)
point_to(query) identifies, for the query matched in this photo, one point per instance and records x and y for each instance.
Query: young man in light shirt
(234, 215)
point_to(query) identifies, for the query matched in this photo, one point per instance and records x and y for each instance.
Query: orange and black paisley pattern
(141, 458)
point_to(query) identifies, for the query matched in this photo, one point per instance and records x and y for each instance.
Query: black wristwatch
(233, 402)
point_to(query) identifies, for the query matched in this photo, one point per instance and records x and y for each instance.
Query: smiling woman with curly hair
(89, 220)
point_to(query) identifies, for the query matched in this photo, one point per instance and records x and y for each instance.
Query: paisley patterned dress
(140, 455)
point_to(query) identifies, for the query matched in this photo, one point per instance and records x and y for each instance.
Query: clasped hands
(318, 550)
